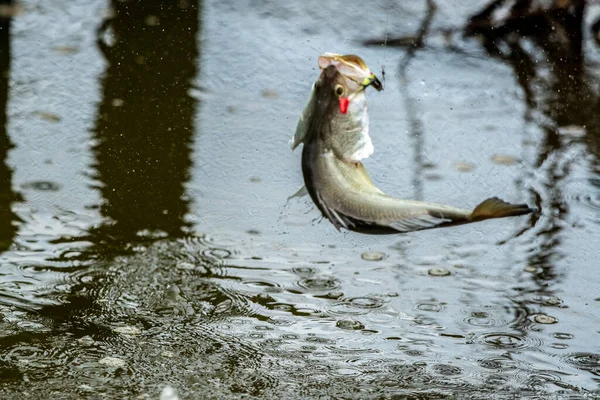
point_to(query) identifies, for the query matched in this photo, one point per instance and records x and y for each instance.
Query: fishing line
(385, 38)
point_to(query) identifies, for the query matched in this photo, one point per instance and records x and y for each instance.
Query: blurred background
(147, 240)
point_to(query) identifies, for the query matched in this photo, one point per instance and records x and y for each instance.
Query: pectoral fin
(303, 122)
(496, 208)
(303, 191)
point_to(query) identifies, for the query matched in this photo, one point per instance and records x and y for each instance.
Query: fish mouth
(372, 80)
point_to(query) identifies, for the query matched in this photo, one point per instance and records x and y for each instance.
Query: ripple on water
(496, 380)
(551, 301)
(319, 284)
(545, 319)
(509, 340)
(483, 319)
(447, 370)
(535, 379)
(357, 305)
(498, 364)
(584, 361)
(36, 362)
(42, 186)
(215, 253)
(305, 272)
(202, 248)
(590, 200)
(562, 335)
(20, 353)
(349, 324)
(430, 306)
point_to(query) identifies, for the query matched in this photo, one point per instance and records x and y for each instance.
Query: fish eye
(339, 90)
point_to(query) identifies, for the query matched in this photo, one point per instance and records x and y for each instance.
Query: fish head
(332, 89)
(341, 117)
(353, 68)
(356, 77)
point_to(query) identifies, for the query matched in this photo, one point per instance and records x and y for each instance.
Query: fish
(342, 189)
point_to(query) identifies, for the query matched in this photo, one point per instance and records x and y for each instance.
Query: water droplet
(559, 346)
(562, 335)
(46, 116)
(501, 159)
(430, 306)
(372, 256)
(128, 330)
(438, 272)
(290, 336)
(553, 301)
(545, 319)
(349, 324)
(464, 166)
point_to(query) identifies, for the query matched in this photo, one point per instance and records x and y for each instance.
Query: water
(145, 238)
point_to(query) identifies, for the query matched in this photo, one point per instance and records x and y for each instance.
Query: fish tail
(496, 208)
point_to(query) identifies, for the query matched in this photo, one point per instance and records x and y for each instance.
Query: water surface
(146, 239)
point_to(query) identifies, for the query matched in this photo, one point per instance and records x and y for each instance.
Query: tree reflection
(7, 196)
(144, 126)
(143, 132)
(412, 45)
(544, 45)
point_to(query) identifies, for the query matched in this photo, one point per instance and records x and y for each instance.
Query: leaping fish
(339, 184)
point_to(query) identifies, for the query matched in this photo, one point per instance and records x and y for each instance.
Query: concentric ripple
(585, 361)
(509, 340)
(319, 284)
(357, 305)
(484, 320)
(430, 306)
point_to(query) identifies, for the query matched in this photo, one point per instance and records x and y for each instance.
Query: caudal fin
(496, 208)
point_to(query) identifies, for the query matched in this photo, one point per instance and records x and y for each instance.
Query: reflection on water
(7, 196)
(144, 126)
(562, 97)
(144, 129)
